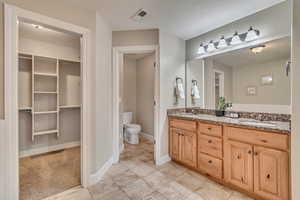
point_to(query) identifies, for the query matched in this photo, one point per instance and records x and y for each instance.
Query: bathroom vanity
(246, 155)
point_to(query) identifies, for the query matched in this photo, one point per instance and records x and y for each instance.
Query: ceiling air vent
(139, 15)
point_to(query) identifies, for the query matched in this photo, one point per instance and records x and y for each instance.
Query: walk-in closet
(49, 94)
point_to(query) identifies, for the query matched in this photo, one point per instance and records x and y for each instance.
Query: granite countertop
(273, 126)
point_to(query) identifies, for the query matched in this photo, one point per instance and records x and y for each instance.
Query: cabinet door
(175, 143)
(238, 168)
(271, 173)
(189, 148)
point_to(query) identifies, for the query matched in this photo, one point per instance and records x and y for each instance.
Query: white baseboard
(96, 177)
(162, 160)
(147, 136)
(42, 150)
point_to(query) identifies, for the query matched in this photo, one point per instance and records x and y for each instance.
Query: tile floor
(48, 174)
(137, 178)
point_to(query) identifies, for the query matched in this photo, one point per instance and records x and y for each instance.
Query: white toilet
(131, 131)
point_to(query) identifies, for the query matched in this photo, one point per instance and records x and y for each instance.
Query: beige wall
(145, 93)
(279, 93)
(133, 38)
(130, 87)
(271, 22)
(295, 141)
(172, 64)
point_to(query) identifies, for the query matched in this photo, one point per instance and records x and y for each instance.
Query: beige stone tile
(191, 182)
(114, 195)
(239, 196)
(104, 186)
(155, 196)
(117, 169)
(157, 179)
(174, 191)
(138, 190)
(194, 196)
(143, 170)
(126, 178)
(214, 191)
(171, 171)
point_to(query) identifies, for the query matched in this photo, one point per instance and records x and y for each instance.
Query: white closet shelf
(45, 74)
(44, 92)
(45, 132)
(45, 112)
(25, 108)
(69, 106)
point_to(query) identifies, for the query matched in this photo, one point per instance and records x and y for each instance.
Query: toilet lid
(133, 125)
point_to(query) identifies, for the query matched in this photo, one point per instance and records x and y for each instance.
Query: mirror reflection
(253, 79)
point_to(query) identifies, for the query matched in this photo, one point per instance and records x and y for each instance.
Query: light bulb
(201, 49)
(222, 43)
(236, 39)
(252, 34)
(211, 46)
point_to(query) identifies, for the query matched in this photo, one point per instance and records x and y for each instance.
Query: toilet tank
(127, 117)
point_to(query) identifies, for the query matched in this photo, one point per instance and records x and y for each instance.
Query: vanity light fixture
(211, 46)
(252, 34)
(236, 39)
(222, 43)
(258, 49)
(201, 49)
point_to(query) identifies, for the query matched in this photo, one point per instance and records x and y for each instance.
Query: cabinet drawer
(209, 165)
(268, 139)
(210, 129)
(210, 145)
(183, 124)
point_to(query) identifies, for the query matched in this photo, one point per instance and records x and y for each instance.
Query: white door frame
(12, 15)
(118, 55)
(222, 84)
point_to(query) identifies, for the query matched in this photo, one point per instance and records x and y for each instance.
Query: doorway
(45, 89)
(119, 54)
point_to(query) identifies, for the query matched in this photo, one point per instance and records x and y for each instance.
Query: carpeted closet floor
(48, 174)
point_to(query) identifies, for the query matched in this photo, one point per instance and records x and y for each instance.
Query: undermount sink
(256, 123)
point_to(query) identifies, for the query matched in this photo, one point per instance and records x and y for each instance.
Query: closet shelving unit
(48, 81)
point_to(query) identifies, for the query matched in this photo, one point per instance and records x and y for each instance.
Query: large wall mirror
(253, 79)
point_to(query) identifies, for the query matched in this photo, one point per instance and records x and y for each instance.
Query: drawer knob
(256, 154)
(249, 152)
(209, 141)
(209, 128)
(209, 161)
(268, 176)
(264, 141)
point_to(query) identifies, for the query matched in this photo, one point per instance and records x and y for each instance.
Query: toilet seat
(132, 125)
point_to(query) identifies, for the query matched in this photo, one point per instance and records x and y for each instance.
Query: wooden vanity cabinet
(261, 170)
(183, 142)
(257, 162)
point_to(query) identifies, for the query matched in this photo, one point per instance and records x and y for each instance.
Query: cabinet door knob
(209, 161)
(249, 152)
(255, 153)
(268, 176)
(209, 141)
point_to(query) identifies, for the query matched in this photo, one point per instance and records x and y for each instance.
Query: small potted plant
(222, 106)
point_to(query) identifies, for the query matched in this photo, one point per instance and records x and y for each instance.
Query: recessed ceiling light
(258, 49)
